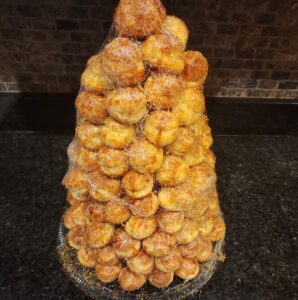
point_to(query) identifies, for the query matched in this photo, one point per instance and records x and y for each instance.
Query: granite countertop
(257, 181)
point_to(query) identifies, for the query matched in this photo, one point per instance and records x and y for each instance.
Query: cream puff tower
(141, 181)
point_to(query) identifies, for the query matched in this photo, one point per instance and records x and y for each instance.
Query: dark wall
(251, 45)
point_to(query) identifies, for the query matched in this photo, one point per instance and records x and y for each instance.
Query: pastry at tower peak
(141, 184)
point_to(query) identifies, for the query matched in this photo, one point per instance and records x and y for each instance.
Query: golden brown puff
(163, 90)
(76, 237)
(161, 128)
(190, 106)
(196, 68)
(183, 143)
(107, 256)
(170, 221)
(178, 198)
(219, 229)
(159, 244)
(127, 105)
(160, 279)
(177, 28)
(137, 185)
(205, 225)
(84, 158)
(140, 228)
(198, 208)
(144, 207)
(188, 232)
(103, 188)
(117, 135)
(124, 245)
(163, 52)
(113, 163)
(200, 125)
(107, 273)
(74, 216)
(93, 78)
(198, 249)
(170, 262)
(116, 213)
(122, 62)
(76, 181)
(94, 211)
(73, 198)
(130, 281)
(141, 264)
(173, 171)
(189, 269)
(139, 19)
(199, 154)
(91, 107)
(202, 177)
(213, 203)
(99, 235)
(86, 257)
(144, 157)
(89, 135)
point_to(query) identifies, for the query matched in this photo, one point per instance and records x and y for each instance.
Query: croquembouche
(141, 184)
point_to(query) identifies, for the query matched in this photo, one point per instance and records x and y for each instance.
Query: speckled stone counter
(258, 185)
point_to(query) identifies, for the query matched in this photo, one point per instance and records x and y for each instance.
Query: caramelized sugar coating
(144, 207)
(140, 228)
(198, 208)
(74, 216)
(170, 221)
(198, 249)
(94, 211)
(124, 245)
(159, 244)
(177, 28)
(127, 105)
(183, 143)
(107, 256)
(163, 52)
(99, 235)
(139, 19)
(179, 198)
(170, 262)
(73, 198)
(142, 264)
(84, 158)
(189, 269)
(190, 106)
(203, 132)
(89, 135)
(219, 229)
(130, 281)
(173, 171)
(213, 203)
(160, 279)
(202, 177)
(161, 128)
(205, 226)
(116, 213)
(196, 68)
(113, 163)
(163, 90)
(91, 107)
(86, 257)
(103, 188)
(94, 79)
(106, 273)
(122, 62)
(188, 232)
(76, 181)
(199, 154)
(117, 135)
(76, 237)
(144, 157)
(137, 185)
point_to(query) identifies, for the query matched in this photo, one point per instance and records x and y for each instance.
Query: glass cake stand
(86, 280)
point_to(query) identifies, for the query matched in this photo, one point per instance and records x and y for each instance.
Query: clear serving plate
(86, 280)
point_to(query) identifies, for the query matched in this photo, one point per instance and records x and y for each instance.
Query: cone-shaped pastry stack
(141, 183)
